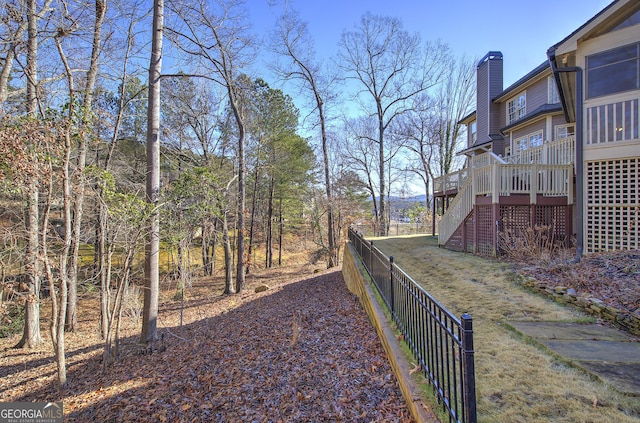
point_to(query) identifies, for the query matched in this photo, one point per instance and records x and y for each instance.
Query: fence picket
(442, 343)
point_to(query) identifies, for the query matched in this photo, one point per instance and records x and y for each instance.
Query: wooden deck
(479, 199)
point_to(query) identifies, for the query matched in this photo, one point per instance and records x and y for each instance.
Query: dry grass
(516, 381)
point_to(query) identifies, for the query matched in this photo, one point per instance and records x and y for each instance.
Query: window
(474, 132)
(517, 108)
(535, 140)
(565, 131)
(532, 140)
(552, 91)
(630, 21)
(613, 71)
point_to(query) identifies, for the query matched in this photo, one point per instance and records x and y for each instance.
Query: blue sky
(522, 30)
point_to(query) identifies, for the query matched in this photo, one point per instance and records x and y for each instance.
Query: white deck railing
(501, 180)
(459, 208)
(559, 152)
(613, 122)
(450, 181)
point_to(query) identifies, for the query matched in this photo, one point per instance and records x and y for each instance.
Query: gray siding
(495, 89)
(489, 85)
(482, 102)
(533, 127)
(537, 95)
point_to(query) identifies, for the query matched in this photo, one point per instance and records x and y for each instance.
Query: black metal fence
(442, 343)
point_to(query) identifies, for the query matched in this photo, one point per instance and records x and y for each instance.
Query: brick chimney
(489, 85)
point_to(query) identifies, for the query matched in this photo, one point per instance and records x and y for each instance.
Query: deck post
(433, 216)
(476, 237)
(533, 183)
(495, 214)
(495, 189)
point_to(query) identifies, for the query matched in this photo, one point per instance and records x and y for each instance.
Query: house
(560, 147)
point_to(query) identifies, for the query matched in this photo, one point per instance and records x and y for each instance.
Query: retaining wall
(627, 321)
(359, 284)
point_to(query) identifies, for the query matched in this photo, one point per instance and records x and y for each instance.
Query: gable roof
(601, 23)
(545, 109)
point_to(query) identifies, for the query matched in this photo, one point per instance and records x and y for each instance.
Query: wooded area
(131, 129)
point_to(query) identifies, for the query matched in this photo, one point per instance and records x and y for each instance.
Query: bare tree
(71, 234)
(415, 127)
(31, 335)
(294, 42)
(149, 331)
(431, 128)
(392, 67)
(453, 101)
(358, 152)
(215, 34)
(79, 180)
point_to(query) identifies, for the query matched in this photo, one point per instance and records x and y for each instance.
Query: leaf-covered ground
(302, 351)
(613, 278)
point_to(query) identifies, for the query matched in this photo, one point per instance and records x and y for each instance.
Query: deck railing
(613, 122)
(547, 171)
(450, 181)
(442, 343)
(559, 152)
(459, 208)
(533, 179)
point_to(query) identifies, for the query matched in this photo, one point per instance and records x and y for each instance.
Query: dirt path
(302, 351)
(516, 381)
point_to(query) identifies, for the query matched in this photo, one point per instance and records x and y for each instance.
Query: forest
(139, 138)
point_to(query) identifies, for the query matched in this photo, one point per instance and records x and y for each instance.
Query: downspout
(579, 195)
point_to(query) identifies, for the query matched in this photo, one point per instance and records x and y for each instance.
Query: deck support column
(495, 218)
(433, 216)
(476, 237)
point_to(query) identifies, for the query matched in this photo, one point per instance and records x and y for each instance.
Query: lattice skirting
(612, 219)
(516, 219)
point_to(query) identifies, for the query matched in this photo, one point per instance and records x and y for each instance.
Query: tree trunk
(254, 200)
(228, 258)
(214, 241)
(331, 238)
(383, 229)
(204, 253)
(72, 318)
(269, 234)
(103, 267)
(240, 280)
(31, 334)
(149, 331)
(280, 229)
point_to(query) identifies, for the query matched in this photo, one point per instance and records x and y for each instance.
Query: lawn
(516, 380)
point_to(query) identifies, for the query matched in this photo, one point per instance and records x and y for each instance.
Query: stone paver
(607, 353)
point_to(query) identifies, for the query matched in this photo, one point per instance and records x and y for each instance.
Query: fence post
(469, 369)
(393, 308)
(371, 258)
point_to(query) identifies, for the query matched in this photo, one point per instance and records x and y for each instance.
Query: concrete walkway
(609, 354)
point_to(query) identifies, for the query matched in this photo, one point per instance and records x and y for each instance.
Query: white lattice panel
(612, 205)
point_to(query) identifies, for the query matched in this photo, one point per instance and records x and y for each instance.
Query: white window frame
(473, 128)
(524, 143)
(536, 136)
(517, 107)
(553, 97)
(564, 128)
(592, 70)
